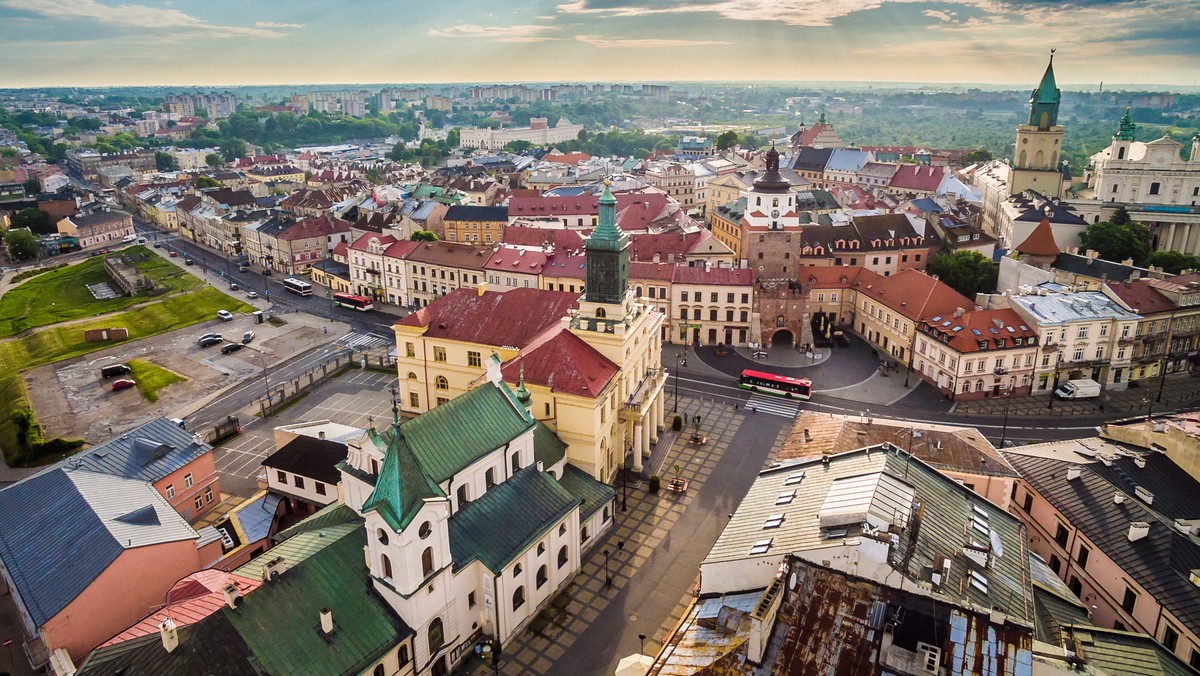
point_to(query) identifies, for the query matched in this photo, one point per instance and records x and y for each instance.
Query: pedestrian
(753, 409)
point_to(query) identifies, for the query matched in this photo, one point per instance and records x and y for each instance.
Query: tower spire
(1043, 103)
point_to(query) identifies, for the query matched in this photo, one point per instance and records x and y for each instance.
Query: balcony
(1050, 347)
(633, 408)
(1126, 340)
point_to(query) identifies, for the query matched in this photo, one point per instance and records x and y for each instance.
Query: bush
(677, 423)
(655, 483)
(34, 272)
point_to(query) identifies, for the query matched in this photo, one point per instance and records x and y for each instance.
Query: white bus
(298, 286)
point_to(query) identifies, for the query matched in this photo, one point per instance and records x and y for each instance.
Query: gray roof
(149, 452)
(49, 519)
(473, 213)
(1096, 267)
(847, 159)
(832, 500)
(1065, 308)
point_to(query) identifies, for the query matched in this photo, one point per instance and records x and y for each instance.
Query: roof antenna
(395, 406)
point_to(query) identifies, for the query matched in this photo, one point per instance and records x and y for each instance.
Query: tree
(32, 187)
(213, 160)
(207, 182)
(22, 244)
(1117, 241)
(979, 155)
(33, 219)
(967, 272)
(1172, 262)
(232, 148)
(453, 136)
(373, 176)
(424, 236)
(165, 161)
(1120, 217)
(517, 146)
(727, 140)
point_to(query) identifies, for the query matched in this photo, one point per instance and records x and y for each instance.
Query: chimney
(272, 569)
(657, 257)
(480, 288)
(232, 594)
(1138, 530)
(1072, 473)
(1140, 462)
(169, 634)
(540, 467)
(1143, 495)
(326, 621)
(321, 434)
(1118, 498)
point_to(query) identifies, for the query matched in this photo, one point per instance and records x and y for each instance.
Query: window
(542, 576)
(489, 477)
(1082, 556)
(541, 548)
(712, 297)
(1055, 564)
(1130, 600)
(517, 570)
(425, 530)
(187, 480)
(414, 400)
(199, 502)
(378, 670)
(683, 295)
(1028, 504)
(171, 490)
(1170, 638)
(437, 635)
(1075, 586)
(1060, 535)
(583, 534)
(320, 487)
(1155, 187)
(427, 562)
(729, 298)
(410, 350)
(1194, 660)
(462, 496)
(683, 314)
(439, 354)
(515, 461)
(208, 494)
(562, 556)
(299, 482)
(473, 359)
(441, 383)
(470, 599)
(518, 598)
(402, 655)
(562, 529)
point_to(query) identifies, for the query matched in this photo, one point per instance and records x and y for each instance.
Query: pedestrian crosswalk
(762, 403)
(364, 341)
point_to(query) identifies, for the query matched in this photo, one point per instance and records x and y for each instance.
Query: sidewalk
(1178, 390)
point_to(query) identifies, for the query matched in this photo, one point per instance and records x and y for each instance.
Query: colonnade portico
(646, 429)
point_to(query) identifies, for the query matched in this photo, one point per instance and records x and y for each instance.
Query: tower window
(1155, 187)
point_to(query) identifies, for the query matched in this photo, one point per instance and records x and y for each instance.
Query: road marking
(763, 403)
(363, 341)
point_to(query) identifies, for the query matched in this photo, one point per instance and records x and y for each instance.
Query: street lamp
(1007, 402)
(607, 577)
(624, 483)
(1054, 383)
(641, 643)
(680, 362)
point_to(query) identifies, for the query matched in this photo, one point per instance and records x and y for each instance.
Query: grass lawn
(62, 295)
(64, 342)
(151, 378)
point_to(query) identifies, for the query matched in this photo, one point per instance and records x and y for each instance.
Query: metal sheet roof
(594, 494)
(149, 452)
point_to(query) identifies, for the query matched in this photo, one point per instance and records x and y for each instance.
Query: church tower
(606, 254)
(1035, 163)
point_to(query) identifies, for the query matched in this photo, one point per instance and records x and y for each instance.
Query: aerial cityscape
(600, 337)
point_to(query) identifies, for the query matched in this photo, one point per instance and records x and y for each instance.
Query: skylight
(761, 546)
(978, 581)
(785, 497)
(773, 521)
(794, 479)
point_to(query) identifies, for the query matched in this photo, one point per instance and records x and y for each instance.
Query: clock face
(774, 213)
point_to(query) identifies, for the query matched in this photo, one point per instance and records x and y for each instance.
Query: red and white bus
(298, 286)
(361, 303)
(770, 383)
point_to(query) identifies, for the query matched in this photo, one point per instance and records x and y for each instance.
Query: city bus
(770, 383)
(297, 286)
(361, 303)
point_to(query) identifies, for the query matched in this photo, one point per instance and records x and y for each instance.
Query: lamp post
(641, 643)
(680, 362)
(1007, 402)
(1054, 383)
(624, 483)
(607, 576)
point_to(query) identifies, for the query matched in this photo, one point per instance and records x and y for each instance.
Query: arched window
(427, 562)
(378, 670)
(600, 313)
(775, 202)
(542, 576)
(441, 383)
(562, 556)
(402, 655)
(1021, 162)
(386, 564)
(382, 536)
(437, 635)
(518, 598)
(412, 376)
(639, 291)
(1120, 153)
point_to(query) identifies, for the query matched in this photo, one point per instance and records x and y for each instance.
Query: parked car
(231, 347)
(242, 268)
(174, 254)
(252, 294)
(234, 287)
(266, 272)
(114, 370)
(225, 315)
(212, 334)
(209, 341)
(157, 244)
(247, 337)
(188, 261)
(124, 384)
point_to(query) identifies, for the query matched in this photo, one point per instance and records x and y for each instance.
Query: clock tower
(1035, 162)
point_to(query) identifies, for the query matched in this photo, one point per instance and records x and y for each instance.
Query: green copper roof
(1119, 653)
(402, 486)
(594, 494)
(548, 449)
(1128, 130)
(280, 620)
(1047, 90)
(334, 514)
(298, 547)
(507, 519)
(607, 235)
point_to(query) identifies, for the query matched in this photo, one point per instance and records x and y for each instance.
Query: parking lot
(357, 398)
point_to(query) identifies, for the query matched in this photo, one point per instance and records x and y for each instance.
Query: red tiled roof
(564, 364)
(570, 266)
(401, 248)
(450, 254)
(915, 294)
(561, 238)
(638, 211)
(918, 177)
(511, 319)
(724, 276)
(584, 205)
(190, 600)
(839, 277)
(809, 135)
(643, 246)
(991, 325)
(363, 242)
(529, 262)
(1040, 242)
(340, 250)
(657, 272)
(567, 158)
(1141, 296)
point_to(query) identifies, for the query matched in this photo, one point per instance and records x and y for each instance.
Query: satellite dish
(997, 546)
(792, 581)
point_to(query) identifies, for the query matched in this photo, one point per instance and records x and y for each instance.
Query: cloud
(272, 24)
(137, 16)
(643, 43)
(939, 15)
(520, 33)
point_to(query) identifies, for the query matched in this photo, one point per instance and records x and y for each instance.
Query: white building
(539, 133)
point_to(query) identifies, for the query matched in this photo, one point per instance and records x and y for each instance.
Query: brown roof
(965, 332)
(564, 364)
(451, 255)
(698, 274)
(839, 277)
(916, 295)
(529, 262)
(642, 247)
(1141, 296)
(1040, 242)
(954, 449)
(511, 319)
(918, 177)
(651, 272)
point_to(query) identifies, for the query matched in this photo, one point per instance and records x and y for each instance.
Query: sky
(235, 42)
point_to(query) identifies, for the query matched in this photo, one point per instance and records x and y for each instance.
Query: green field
(63, 342)
(62, 295)
(151, 378)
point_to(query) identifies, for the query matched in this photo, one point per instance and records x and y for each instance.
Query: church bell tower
(1035, 162)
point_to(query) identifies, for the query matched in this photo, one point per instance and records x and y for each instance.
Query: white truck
(1078, 389)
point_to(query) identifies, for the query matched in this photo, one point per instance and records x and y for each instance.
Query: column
(660, 405)
(638, 447)
(1170, 238)
(646, 434)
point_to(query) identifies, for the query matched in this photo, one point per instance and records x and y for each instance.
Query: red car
(124, 384)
